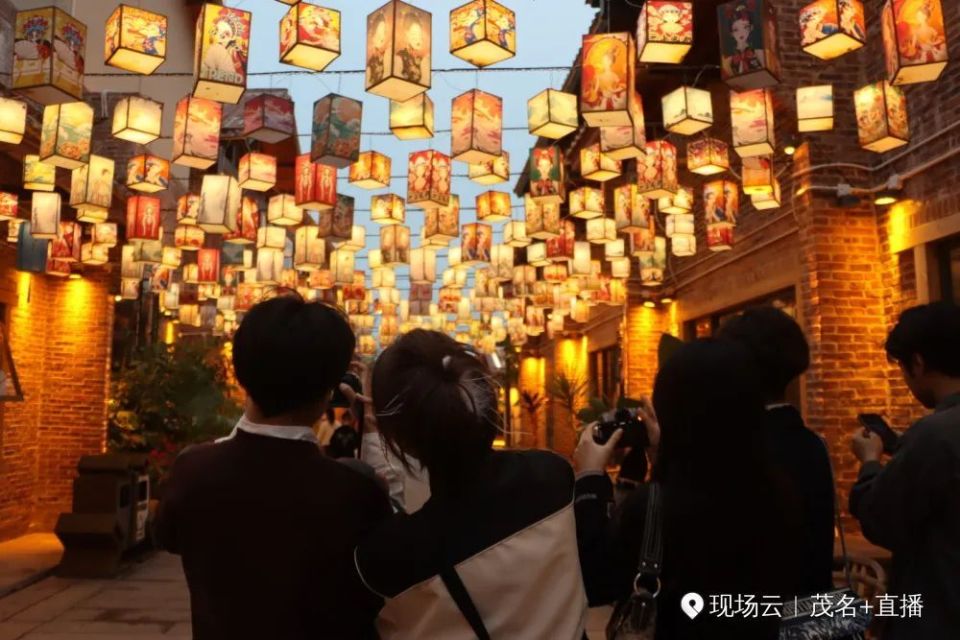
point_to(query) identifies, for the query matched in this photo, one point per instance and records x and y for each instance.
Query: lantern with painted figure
(398, 51)
(66, 245)
(749, 50)
(607, 89)
(208, 265)
(371, 171)
(476, 243)
(721, 207)
(388, 208)
(148, 173)
(542, 220)
(220, 200)
(188, 237)
(335, 136)
(882, 122)
(257, 171)
(412, 119)
(657, 173)
(546, 175)
(687, 110)
(631, 210)
(144, 219)
(65, 134)
(815, 108)
(395, 245)
(483, 32)
(221, 52)
(914, 40)
(91, 189)
(135, 39)
(310, 36)
(38, 176)
(442, 224)
(831, 28)
(188, 208)
(751, 119)
(708, 156)
(9, 206)
(423, 266)
(268, 118)
(552, 114)
(104, 233)
(653, 266)
(196, 132)
(623, 143)
(664, 31)
(476, 127)
(48, 55)
(428, 179)
(597, 166)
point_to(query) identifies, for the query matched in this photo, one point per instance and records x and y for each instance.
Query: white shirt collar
(272, 431)
(778, 405)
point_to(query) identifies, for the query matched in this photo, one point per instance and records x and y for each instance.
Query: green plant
(567, 390)
(597, 406)
(531, 402)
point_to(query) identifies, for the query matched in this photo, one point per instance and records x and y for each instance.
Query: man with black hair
(265, 523)
(911, 505)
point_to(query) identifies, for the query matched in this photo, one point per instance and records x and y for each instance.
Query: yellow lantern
(882, 122)
(515, 234)
(48, 55)
(398, 51)
(770, 200)
(104, 233)
(257, 171)
(9, 206)
(614, 250)
(272, 238)
(38, 176)
(45, 214)
(428, 179)
(664, 31)
(91, 189)
(680, 230)
(652, 266)
(13, 120)
(309, 249)
(268, 118)
(148, 173)
(657, 173)
(914, 41)
(542, 220)
(815, 108)
(555, 272)
(537, 254)
(631, 210)
(135, 39)
(196, 132)
(336, 131)
(483, 32)
(493, 206)
(371, 171)
(642, 238)
(221, 53)
(758, 175)
(310, 36)
(412, 119)
(490, 171)
(601, 230)
(220, 201)
(831, 28)
(687, 110)
(94, 254)
(680, 202)
(188, 238)
(607, 85)
(751, 119)
(388, 209)
(586, 203)
(248, 221)
(269, 269)
(623, 143)
(423, 266)
(580, 264)
(395, 245)
(552, 114)
(65, 136)
(476, 127)
(707, 156)
(597, 166)
(283, 210)
(749, 52)
(172, 257)
(357, 240)
(315, 184)
(620, 267)
(442, 224)
(137, 119)
(188, 208)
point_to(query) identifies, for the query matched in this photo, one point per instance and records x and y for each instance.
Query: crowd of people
(406, 523)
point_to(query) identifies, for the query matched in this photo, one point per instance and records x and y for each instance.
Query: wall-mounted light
(890, 193)
(650, 304)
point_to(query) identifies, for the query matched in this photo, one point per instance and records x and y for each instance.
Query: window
(605, 373)
(948, 256)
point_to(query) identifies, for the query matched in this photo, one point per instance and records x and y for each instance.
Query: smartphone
(634, 429)
(339, 399)
(874, 422)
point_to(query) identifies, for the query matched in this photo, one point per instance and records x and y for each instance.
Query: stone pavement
(26, 559)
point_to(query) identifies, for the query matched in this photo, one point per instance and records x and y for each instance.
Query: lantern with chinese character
(423, 266)
(188, 238)
(515, 234)
(653, 265)
(48, 55)
(721, 206)
(476, 243)
(268, 118)
(137, 119)
(309, 249)
(601, 230)
(831, 28)
(687, 110)
(623, 143)
(483, 32)
(282, 210)
(476, 127)
(680, 202)
(91, 189)
(815, 108)
(148, 173)
(412, 119)
(395, 245)
(597, 166)
(257, 171)
(104, 233)
(315, 184)
(65, 136)
(38, 176)
(398, 51)
(13, 120)
(310, 36)
(542, 220)
(428, 179)
(707, 156)
(493, 206)
(388, 209)
(220, 200)
(664, 31)
(586, 203)
(882, 121)
(196, 132)
(546, 175)
(552, 114)
(335, 139)
(749, 52)
(221, 52)
(770, 200)
(371, 171)
(758, 175)
(657, 173)
(914, 40)
(135, 39)
(491, 171)
(607, 90)
(751, 119)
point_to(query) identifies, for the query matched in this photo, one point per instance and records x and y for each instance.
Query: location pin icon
(692, 604)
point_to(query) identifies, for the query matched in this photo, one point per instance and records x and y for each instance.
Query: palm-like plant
(531, 402)
(567, 390)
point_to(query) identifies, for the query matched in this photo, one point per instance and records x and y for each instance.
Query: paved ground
(26, 559)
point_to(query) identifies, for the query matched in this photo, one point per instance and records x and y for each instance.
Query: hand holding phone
(874, 422)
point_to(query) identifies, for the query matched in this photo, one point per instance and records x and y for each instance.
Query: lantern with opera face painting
(188, 238)
(196, 132)
(707, 156)
(476, 127)
(687, 110)
(257, 171)
(552, 114)
(268, 118)
(144, 221)
(882, 122)
(491, 171)
(220, 200)
(335, 138)
(442, 224)
(48, 55)
(914, 40)
(770, 200)
(387, 209)
(309, 249)
(607, 90)
(395, 245)
(493, 206)
(65, 135)
(483, 32)
(749, 51)
(597, 166)
(632, 211)
(310, 36)
(283, 210)
(815, 108)
(428, 179)
(38, 176)
(148, 173)
(623, 143)
(751, 119)
(315, 184)
(412, 119)
(221, 53)
(13, 120)
(135, 39)
(601, 230)
(371, 171)
(91, 189)
(758, 175)
(546, 175)
(831, 28)
(137, 119)
(721, 206)
(664, 31)
(542, 220)
(586, 203)
(398, 51)
(657, 174)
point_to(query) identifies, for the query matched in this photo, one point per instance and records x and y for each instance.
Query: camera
(353, 381)
(634, 429)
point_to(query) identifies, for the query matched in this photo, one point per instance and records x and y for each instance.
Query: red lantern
(315, 184)
(143, 218)
(428, 179)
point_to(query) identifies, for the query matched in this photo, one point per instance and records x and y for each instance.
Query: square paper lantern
(412, 119)
(476, 127)
(257, 171)
(272, 238)
(749, 51)
(148, 173)
(680, 202)
(653, 265)
(398, 51)
(268, 118)
(428, 179)
(208, 265)
(137, 119)
(38, 176)
(515, 234)
(580, 259)
(423, 266)
(552, 114)
(664, 31)
(687, 110)
(221, 50)
(623, 143)
(601, 230)
(48, 55)
(172, 257)
(188, 208)
(144, 220)
(586, 203)
(815, 108)
(248, 221)
(546, 175)
(657, 173)
(148, 252)
(13, 120)
(631, 210)
(335, 136)
(597, 166)
(537, 254)
(310, 36)
(65, 136)
(561, 248)
(542, 220)
(476, 243)
(493, 206)
(721, 206)
(66, 246)
(707, 156)
(914, 40)
(441, 224)
(758, 175)
(188, 238)
(91, 189)
(371, 171)
(314, 184)
(196, 132)
(490, 171)
(751, 119)
(104, 233)
(220, 200)
(135, 39)
(13, 230)
(9, 206)
(309, 249)
(607, 89)
(770, 200)
(270, 266)
(831, 28)
(483, 32)
(283, 210)
(641, 240)
(94, 254)
(395, 245)
(388, 209)
(555, 272)
(882, 122)
(341, 219)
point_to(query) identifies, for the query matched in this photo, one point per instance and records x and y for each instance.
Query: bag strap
(458, 591)
(836, 515)
(651, 551)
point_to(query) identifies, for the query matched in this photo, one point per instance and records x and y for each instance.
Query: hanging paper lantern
(914, 40)
(38, 176)
(561, 248)
(137, 119)
(144, 220)
(385, 277)
(555, 272)
(221, 53)
(721, 206)
(664, 31)
(412, 119)
(371, 171)
(441, 224)
(398, 51)
(270, 266)
(493, 206)
(476, 127)
(208, 265)
(751, 118)
(268, 118)
(135, 39)
(831, 28)
(335, 139)
(172, 257)
(310, 36)
(337, 223)
(515, 234)
(580, 259)
(423, 266)
(31, 250)
(13, 120)
(9, 206)
(104, 233)
(220, 200)
(657, 175)
(815, 108)
(91, 189)
(749, 52)
(188, 209)
(623, 143)
(552, 114)
(537, 254)
(257, 172)
(758, 175)
(707, 157)
(683, 245)
(615, 249)
(65, 136)
(188, 238)
(196, 132)
(620, 267)
(48, 55)
(13, 230)
(542, 220)
(476, 243)
(546, 175)
(490, 171)
(687, 110)
(586, 203)
(607, 90)
(428, 179)
(357, 240)
(248, 221)
(283, 210)
(882, 122)
(680, 202)
(271, 238)
(769, 200)
(315, 184)
(652, 266)
(309, 249)
(66, 245)
(597, 166)
(642, 238)
(94, 254)
(631, 210)
(395, 245)
(388, 209)
(483, 32)
(601, 230)
(148, 173)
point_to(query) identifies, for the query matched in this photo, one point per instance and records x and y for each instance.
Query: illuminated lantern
(66, 246)
(546, 177)
(337, 223)
(580, 263)
(371, 171)
(357, 240)
(815, 108)
(172, 257)
(657, 170)
(385, 277)
(664, 31)
(758, 175)
(315, 184)
(144, 219)
(749, 52)
(335, 139)
(831, 28)
(271, 238)
(561, 248)
(641, 239)
(282, 210)
(104, 233)
(65, 136)
(388, 209)
(395, 245)
(552, 114)
(38, 176)
(310, 36)
(412, 119)
(601, 230)
(257, 171)
(607, 90)
(882, 122)
(597, 166)
(751, 119)
(653, 266)
(476, 243)
(221, 52)
(687, 110)
(441, 224)
(620, 267)
(681, 202)
(13, 120)
(428, 179)
(135, 39)
(248, 221)
(94, 254)
(683, 245)
(631, 210)
(148, 173)
(493, 206)
(13, 230)
(623, 143)
(137, 119)
(188, 238)
(398, 51)
(490, 171)
(208, 265)
(914, 40)
(44, 214)
(220, 201)
(423, 266)
(48, 55)
(91, 189)
(542, 220)
(721, 206)
(268, 118)
(614, 249)
(188, 208)
(770, 200)
(515, 234)
(483, 32)
(707, 156)
(9, 206)
(555, 272)
(586, 203)
(270, 266)
(476, 127)
(309, 249)
(196, 132)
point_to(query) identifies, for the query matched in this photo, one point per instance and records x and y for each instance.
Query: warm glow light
(335, 138)
(412, 119)
(597, 166)
(371, 171)
(428, 179)
(657, 170)
(148, 173)
(623, 143)
(137, 119)
(398, 51)
(220, 201)
(707, 157)
(653, 265)
(91, 189)
(44, 214)
(914, 40)
(483, 32)
(607, 89)
(681, 202)
(476, 127)
(758, 175)
(221, 53)
(257, 171)
(721, 206)
(268, 118)
(282, 210)
(65, 134)
(196, 132)
(751, 119)
(493, 206)
(542, 221)
(38, 176)
(771, 200)
(749, 52)
(552, 114)
(687, 110)
(310, 36)
(815, 108)
(586, 203)
(13, 120)
(882, 122)
(490, 171)
(601, 230)
(315, 184)
(664, 31)
(831, 28)
(135, 39)
(389, 208)
(48, 55)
